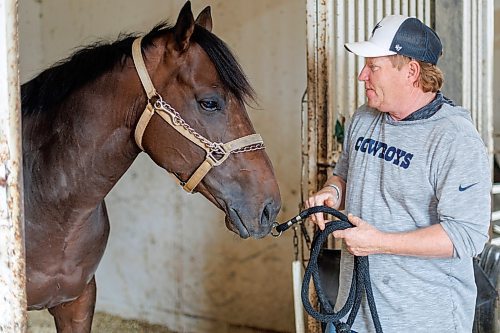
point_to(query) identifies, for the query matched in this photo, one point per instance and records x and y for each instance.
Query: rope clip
(279, 228)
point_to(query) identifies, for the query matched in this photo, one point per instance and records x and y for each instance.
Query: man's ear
(413, 71)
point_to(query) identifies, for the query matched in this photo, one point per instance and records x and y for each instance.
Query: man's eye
(210, 105)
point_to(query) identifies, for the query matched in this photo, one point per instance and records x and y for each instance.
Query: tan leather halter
(216, 152)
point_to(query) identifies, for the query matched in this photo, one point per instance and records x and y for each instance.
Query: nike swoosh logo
(463, 188)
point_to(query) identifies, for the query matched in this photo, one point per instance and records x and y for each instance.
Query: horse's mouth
(234, 223)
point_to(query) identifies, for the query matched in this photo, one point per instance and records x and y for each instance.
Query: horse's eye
(210, 105)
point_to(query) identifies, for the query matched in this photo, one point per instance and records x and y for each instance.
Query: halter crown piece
(216, 152)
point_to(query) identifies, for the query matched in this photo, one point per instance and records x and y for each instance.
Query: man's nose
(363, 75)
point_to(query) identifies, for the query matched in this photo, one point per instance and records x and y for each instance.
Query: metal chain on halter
(256, 146)
(160, 104)
(216, 147)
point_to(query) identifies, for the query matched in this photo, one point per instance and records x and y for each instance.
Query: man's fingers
(318, 217)
(322, 198)
(338, 234)
(307, 203)
(356, 221)
(329, 203)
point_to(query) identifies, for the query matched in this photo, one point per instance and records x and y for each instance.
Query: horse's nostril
(266, 215)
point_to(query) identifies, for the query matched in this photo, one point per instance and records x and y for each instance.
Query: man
(415, 179)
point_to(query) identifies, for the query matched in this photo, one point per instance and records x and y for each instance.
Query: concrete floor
(42, 322)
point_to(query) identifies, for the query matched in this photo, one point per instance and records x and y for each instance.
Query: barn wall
(30, 32)
(170, 259)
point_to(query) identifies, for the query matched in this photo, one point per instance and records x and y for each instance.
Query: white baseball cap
(398, 34)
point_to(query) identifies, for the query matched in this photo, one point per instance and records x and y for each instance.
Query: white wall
(30, 32)
(170, 259)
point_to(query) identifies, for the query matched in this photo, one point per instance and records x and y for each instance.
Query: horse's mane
(56, 83)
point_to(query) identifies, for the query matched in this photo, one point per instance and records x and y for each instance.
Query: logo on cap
(378, 26)
(398, 47)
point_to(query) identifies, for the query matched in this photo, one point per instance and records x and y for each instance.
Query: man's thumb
(354, 219)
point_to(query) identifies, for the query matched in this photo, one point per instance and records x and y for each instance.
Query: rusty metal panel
(12, 257)
(314, 143)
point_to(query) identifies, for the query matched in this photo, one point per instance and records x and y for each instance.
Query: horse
(179, 95)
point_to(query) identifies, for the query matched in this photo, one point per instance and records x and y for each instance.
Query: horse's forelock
(228, 68)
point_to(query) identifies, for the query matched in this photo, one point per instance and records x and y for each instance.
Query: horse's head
(196, 109)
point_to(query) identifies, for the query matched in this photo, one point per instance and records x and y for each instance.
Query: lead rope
(360, 278)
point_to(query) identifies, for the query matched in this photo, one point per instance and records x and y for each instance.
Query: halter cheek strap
(140, 66)
(216, 152)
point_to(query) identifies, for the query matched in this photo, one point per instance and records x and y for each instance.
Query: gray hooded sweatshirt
(406, 175)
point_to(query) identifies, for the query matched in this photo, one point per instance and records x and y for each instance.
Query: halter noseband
(216, 152)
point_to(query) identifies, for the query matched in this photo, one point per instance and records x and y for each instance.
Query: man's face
(384, 84)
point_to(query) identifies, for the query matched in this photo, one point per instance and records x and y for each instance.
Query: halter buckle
(217, 154)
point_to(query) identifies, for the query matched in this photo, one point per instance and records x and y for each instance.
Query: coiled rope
(360, 278)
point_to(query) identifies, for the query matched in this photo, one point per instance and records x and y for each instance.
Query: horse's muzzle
(238, 221)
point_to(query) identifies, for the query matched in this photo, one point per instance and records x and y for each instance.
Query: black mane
(56, 83)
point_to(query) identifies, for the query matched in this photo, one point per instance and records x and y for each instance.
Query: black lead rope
(360, 276)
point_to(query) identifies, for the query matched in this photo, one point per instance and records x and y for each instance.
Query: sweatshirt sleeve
(463, 191)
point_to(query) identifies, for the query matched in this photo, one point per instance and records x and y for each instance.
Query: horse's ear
(204, 19)
(184, 27)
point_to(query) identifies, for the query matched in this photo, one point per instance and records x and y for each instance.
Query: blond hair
(431, 77)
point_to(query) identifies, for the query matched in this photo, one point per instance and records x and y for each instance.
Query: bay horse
(177, 94)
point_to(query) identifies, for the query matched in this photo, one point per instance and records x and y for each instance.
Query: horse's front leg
(76, 316)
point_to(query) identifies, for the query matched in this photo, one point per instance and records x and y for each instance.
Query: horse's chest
(61, 261)
(46, 290)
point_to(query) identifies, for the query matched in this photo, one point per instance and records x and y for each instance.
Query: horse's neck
(74, 159)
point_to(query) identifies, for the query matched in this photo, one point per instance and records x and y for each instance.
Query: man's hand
(361, 240)
(326, 196)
